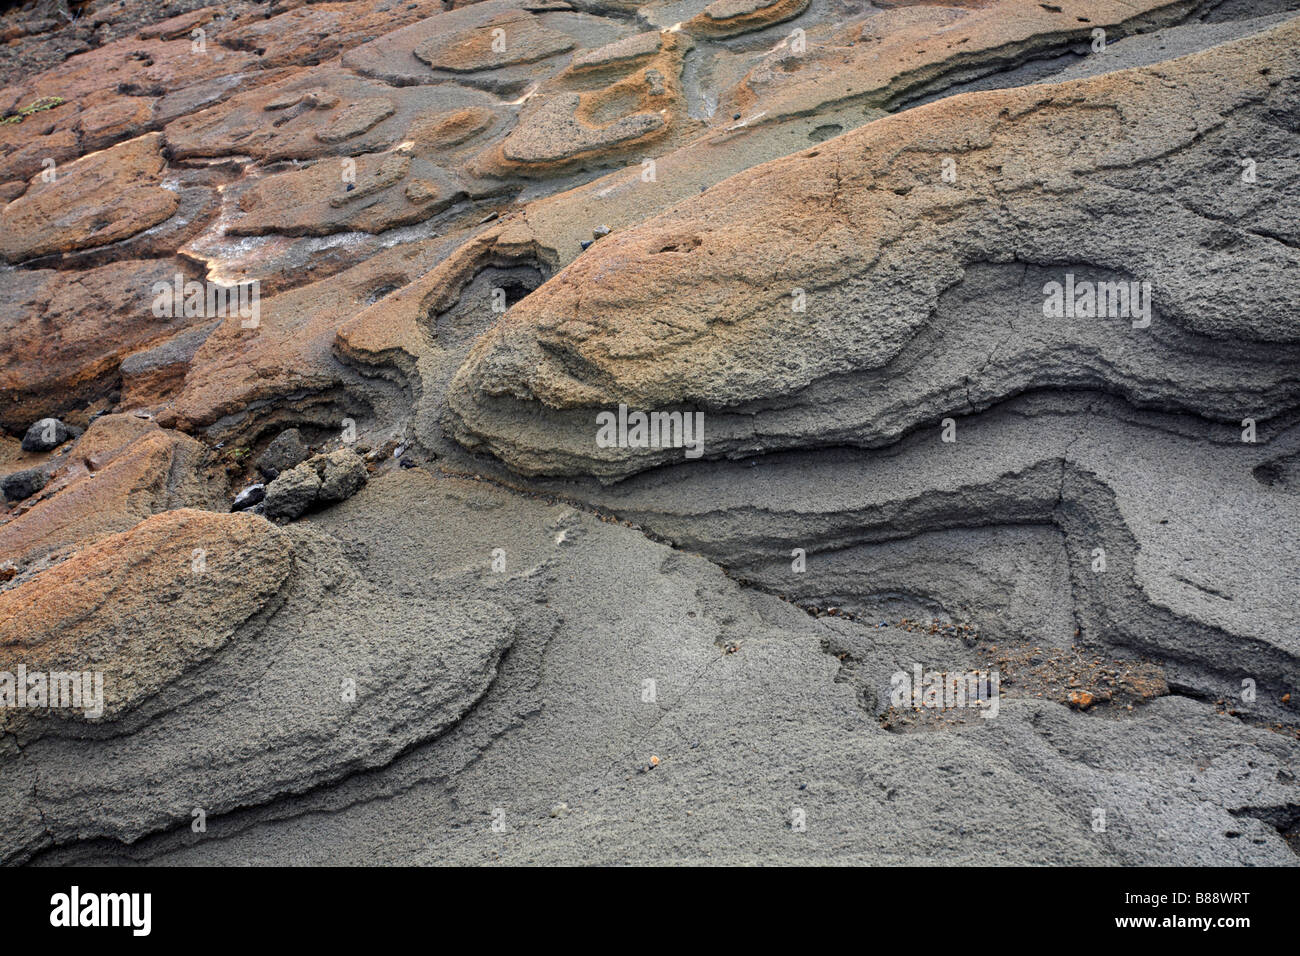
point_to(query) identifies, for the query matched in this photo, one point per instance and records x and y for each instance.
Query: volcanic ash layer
(985, 326)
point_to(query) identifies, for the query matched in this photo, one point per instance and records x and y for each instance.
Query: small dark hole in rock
(381, 292)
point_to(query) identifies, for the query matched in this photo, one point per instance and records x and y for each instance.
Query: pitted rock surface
(599, 410)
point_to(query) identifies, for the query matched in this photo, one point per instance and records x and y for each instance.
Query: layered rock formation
(542, 431)
(869, 284)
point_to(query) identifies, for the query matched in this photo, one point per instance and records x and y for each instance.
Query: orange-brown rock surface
(66, 333)
(97, 199)
(192, 562)
(728, 17)
(649, 420)
(112, 93)
(698, 307)
(121, 470)
(609, 104)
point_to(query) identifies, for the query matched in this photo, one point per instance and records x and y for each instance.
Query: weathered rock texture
(865, 295)
(362, 580)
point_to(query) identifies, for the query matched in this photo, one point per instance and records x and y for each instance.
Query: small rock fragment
(290, 495)
(46, 434)
(321, 480)
(249, 497)
(21, 485)
(285, 451)
(342, 473)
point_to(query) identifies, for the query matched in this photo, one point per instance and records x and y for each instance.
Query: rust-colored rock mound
(729, 17)
(95, 200)
(66, 334)
(192, 581)
(121, 470)
(649, 431)
(832, 268)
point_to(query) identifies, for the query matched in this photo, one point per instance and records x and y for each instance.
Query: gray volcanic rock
(342, 473)
(248, 497)
(1012, 578)
(20, 485)
(320, 480)
(286, 450)
(292, 493)
(324, 673)
(992, 382)
(46, 435)
(1197, 548)
(636, 704)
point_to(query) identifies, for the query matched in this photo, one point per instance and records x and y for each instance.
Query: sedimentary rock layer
(848, 293)
(983, 317)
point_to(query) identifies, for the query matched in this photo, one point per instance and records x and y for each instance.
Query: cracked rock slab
(93, 201)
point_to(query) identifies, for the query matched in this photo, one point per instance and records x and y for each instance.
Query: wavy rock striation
(984, 319)
(847, 294)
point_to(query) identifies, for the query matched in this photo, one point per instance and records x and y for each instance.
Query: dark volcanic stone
(285, 451)
(248, 497)
(23, 484)
(46, 434)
